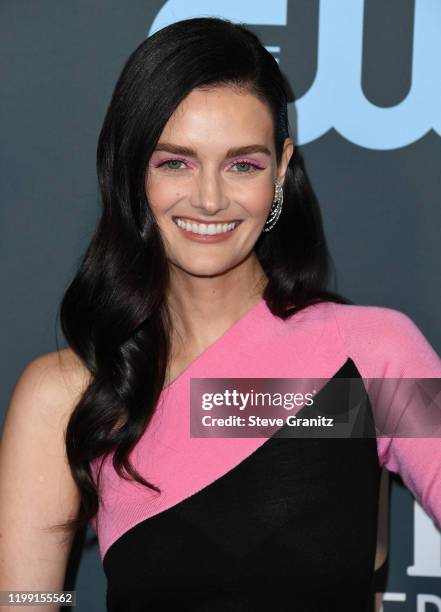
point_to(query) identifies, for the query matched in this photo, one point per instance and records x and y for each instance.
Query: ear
(288, 150)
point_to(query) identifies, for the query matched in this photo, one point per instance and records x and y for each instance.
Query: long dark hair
(114, 314)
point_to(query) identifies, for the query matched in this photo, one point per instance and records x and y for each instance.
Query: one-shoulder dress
(275, 523)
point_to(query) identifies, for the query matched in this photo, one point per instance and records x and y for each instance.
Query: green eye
(173, 164)
(246, 167)
(243, 166)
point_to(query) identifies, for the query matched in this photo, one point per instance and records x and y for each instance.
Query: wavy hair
(114, 314)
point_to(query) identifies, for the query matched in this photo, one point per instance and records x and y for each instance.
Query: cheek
(259, 198)
(160, 193)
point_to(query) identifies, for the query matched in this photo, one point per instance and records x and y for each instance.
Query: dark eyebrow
(234, 152)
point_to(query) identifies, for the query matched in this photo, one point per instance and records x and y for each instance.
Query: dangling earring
(276, 208)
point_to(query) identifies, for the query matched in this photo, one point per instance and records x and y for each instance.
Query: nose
(209, 194)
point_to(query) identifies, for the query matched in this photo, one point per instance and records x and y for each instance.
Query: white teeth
(205, 228)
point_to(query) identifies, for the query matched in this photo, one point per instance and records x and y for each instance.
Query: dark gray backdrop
(59, 63)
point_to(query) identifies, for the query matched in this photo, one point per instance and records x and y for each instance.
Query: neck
(203, 308)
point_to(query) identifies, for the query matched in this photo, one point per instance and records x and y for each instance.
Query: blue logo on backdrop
(335, 99)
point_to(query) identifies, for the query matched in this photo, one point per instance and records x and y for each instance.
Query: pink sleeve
(386, 343)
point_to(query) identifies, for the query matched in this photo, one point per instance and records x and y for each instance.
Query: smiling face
(210, 180)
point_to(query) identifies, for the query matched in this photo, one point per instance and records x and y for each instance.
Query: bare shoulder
(50, 386)
(62, 368)
(37, 487)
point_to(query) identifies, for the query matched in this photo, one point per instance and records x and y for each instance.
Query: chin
(204, 269)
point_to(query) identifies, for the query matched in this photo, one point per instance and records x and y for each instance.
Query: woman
(209, 261)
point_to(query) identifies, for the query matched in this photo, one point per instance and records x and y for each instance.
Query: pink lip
(207, 220)
(206, 237)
